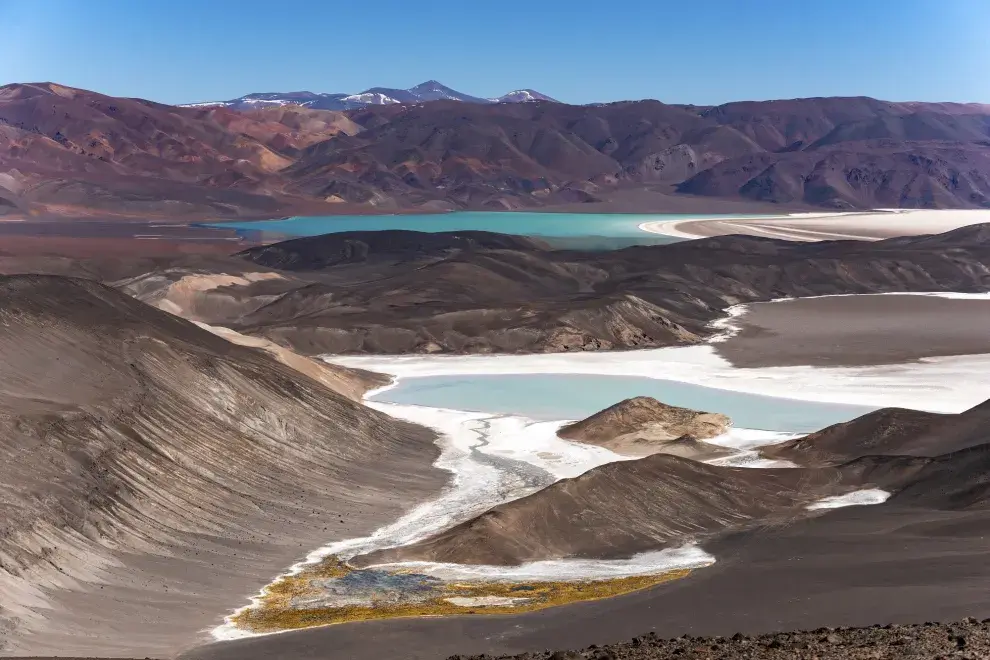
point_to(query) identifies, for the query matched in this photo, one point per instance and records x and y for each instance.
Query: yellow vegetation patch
(274, 612)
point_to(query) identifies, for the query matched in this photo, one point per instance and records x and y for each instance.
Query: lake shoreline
(939, 383)
(894, 382)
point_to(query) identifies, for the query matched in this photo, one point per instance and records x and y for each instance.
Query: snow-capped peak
(522, 96)
(430, 90)
(206, 104)
(370, 98)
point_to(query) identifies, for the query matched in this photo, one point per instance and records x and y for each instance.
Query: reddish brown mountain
(72, 152)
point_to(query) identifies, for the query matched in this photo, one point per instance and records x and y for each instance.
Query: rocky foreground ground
(965, 639)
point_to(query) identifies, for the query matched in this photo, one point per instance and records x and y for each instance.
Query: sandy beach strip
(870, 225)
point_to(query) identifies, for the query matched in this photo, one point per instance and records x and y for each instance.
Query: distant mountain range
(71, 152)
(430, 90)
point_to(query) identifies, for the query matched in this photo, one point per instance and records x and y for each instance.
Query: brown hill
(642, 426)
(153, 471)
(461, 292)
(835, 152)
(623, 508)
(888, 432)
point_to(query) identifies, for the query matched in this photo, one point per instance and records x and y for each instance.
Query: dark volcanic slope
(623, 508)
(153, 472)
(408, 292)
(74, 152)
(319, 252)
(890, 432)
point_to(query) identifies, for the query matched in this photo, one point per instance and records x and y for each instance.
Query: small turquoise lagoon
(576, 396)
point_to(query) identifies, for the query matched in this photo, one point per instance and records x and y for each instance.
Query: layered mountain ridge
(70, 152)
(361, 292)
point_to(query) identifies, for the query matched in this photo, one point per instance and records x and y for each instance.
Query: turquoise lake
(575, 396)
(579, 230)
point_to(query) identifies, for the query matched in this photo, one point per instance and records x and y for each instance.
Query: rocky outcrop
(642, 426)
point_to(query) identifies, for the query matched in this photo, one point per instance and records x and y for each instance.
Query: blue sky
(580, 51)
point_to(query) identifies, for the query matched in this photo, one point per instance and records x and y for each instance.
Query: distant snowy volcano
(430, 90)
(524, 96)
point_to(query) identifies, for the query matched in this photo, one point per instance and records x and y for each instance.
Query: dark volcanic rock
(965, 640)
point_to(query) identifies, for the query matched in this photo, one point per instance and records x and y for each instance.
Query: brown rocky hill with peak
(71, 152)
(642, 426)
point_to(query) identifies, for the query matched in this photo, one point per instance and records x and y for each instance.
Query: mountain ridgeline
(472, 292)
(72, 152)
(431, 90)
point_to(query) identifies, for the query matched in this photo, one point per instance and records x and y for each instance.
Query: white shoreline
(857, 225)
(476, 487)
(939, 384)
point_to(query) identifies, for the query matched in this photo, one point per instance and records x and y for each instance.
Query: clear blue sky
(701, 51)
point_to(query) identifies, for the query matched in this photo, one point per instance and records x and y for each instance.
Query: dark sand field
(857, 330)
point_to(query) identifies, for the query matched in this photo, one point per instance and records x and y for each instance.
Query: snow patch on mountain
(523, 96)
(430, 90)
(374, 98)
